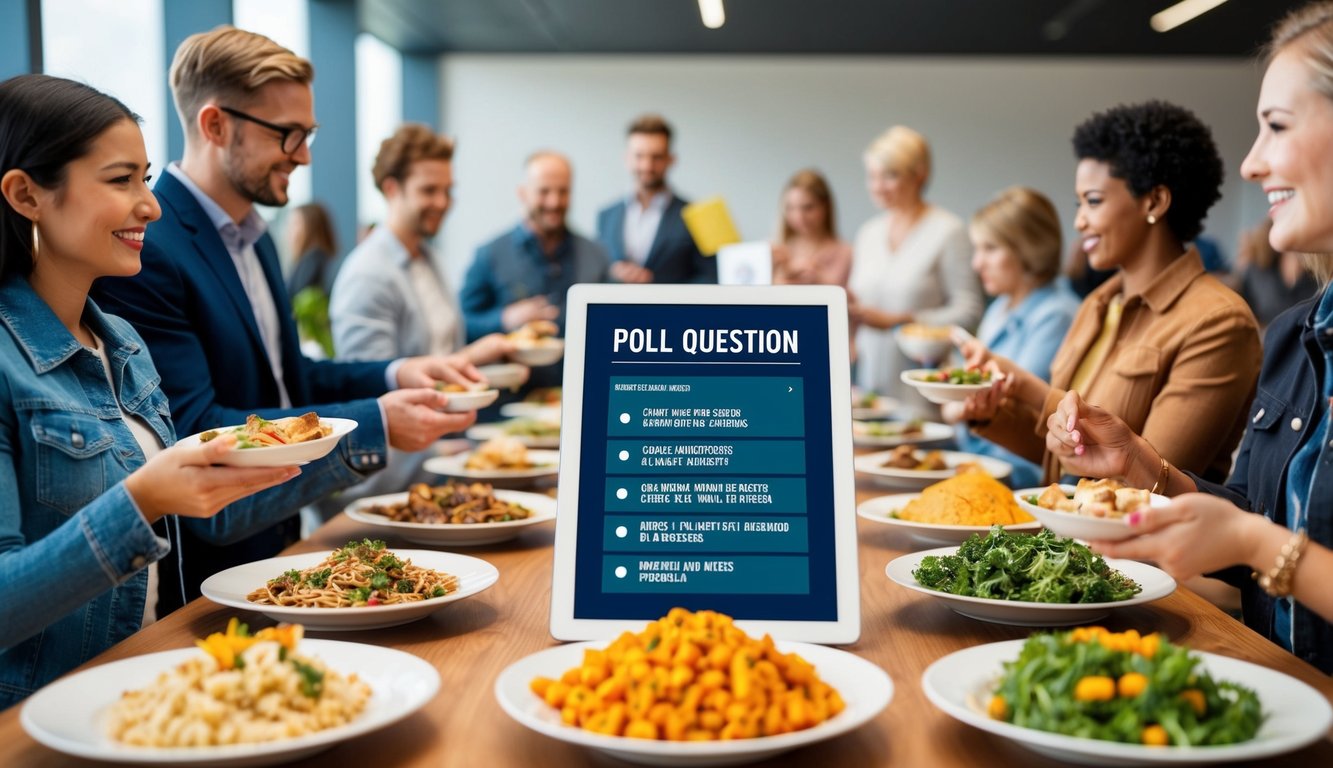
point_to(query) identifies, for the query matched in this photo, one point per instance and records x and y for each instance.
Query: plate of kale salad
(1040, 580)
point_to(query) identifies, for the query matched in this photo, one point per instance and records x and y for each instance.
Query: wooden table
(472, 640)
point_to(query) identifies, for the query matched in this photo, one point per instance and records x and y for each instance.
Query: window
(116, 47)
(379, 111)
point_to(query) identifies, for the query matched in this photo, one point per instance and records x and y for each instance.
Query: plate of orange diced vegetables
(692, 689)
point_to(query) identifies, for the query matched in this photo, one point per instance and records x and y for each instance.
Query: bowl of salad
(951, 385)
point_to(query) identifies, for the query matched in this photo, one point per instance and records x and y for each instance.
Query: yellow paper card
(710, 225)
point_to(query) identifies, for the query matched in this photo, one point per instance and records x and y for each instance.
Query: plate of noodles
(363, 585)
(281, 442)
(457, 514)
(189, 706)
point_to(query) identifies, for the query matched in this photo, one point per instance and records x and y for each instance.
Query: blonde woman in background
(808, 250)
(910, 264)
(1016, 252)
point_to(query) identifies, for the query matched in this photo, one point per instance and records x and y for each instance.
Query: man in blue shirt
(523, 274)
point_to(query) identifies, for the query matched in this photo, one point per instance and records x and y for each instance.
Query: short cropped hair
(652, 124)
(409, 144)
(1158, 143)
(1025, 222)
(229, 65)
(901, 150)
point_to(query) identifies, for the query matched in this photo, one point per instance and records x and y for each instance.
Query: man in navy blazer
(210, 302)
(644, 233)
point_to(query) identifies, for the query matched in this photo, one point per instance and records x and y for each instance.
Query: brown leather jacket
(1181, 372)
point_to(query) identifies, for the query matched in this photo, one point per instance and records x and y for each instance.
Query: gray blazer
(374, 311)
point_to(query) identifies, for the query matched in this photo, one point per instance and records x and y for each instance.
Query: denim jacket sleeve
(102, 545)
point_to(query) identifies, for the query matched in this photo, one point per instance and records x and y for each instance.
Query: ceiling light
(1181, 12)
(712, 13)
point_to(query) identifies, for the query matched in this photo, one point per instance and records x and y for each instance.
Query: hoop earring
(36, 241)
(1152, 219)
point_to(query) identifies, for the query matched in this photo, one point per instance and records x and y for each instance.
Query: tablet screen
(706, 467)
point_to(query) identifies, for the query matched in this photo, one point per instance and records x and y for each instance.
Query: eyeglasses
(291, 138)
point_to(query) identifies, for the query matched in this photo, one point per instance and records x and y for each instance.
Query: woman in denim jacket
(84, 475)
(1274, 517)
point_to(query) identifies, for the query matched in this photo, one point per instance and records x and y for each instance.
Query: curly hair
(1157, 143)
(411, 143)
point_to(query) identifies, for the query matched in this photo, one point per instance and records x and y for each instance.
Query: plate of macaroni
(262, 442)
(499, 459)
(360, 586)
(190, 707)
(455, 514)
(813, 693)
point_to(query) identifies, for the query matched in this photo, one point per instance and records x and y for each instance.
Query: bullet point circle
(622, 531)
(624, 455)
(621, 571)
(621, 493)
(624, 418)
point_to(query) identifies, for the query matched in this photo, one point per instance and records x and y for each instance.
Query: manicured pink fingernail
(1133, 518)
(1078, 450)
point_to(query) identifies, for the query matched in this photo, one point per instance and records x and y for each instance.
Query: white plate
(877, 510)
(880, 408)
(281, 455)
(1077, 526)
(483, 432)
(456, 534)
(67, 715)
(536, 354)
(525, 410)
(547, 464)
(459, 402)
(230, 587)
(924, 349)
(872, 464)
(505, 375)
(1295, 713)
(940, 392)
(1156, 585)
(864, 686)
(931, 432)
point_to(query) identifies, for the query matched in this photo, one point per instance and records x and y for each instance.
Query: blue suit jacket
(673, 258)
(188, 304)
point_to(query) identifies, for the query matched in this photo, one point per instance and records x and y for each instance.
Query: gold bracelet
(1277, 581)
(1163, 476)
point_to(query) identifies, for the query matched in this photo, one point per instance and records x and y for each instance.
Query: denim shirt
(1288, 412)
(513, 267)
(1028, 334)
(73, 545)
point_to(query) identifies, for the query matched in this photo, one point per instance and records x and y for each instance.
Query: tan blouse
(1181, 371)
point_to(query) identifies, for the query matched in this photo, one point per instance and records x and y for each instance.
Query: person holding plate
(88, 473)
(1273, 519)
(1016, 251)
(1162, 344)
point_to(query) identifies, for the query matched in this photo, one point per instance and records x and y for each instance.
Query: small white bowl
(941, 392)
(460, 402)
(281, 455)
(545, 351)
(505, 375)
(923, 349)
(1077, 526)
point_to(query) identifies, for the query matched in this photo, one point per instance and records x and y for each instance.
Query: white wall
(745, 124)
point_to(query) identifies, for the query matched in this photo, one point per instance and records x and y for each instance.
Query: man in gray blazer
(644, 233)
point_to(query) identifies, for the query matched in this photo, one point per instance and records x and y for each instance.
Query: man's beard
(257, 187)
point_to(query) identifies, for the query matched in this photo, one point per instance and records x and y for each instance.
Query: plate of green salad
(1029, 580)
(947, 385)
(1099, 698)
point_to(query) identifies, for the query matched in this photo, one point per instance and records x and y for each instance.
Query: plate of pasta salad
(195, 706)
(362, 585)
